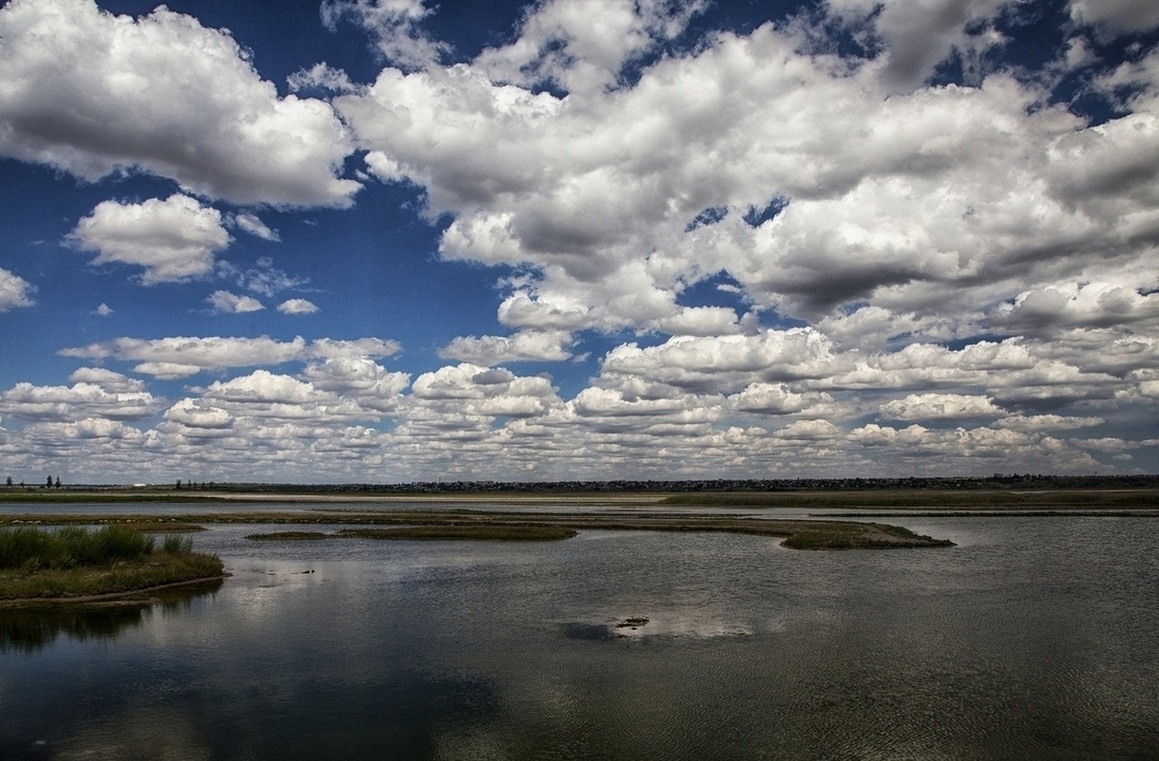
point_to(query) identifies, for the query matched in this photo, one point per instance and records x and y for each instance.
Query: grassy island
(74, 563)
(479, 531)
(494, 532)
(478, 524)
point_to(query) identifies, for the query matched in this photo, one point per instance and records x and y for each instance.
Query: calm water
(1035, 638)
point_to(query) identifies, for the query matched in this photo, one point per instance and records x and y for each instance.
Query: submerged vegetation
(74, 562)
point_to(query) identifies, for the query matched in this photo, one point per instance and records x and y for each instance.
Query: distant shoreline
(902, 499)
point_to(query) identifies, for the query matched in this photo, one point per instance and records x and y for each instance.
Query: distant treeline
(997, 481)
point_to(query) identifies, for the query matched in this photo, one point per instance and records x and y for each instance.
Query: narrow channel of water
(1032, 639)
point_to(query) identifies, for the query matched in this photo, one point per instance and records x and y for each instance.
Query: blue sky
(395, 240)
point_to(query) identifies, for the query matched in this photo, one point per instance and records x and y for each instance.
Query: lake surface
(1035, 638)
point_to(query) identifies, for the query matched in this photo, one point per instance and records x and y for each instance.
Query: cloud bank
(858, 240)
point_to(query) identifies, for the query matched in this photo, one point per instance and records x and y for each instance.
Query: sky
(367, 241)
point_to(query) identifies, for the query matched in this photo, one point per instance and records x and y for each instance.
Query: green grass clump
(32, 549)
(174, 544)
(75, 562)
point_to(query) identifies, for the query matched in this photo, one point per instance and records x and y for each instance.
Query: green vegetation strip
(478, 531)
(74, 563)
(801, 534)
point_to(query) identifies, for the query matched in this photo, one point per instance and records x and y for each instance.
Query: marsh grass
(76, 562)
(176, 544)
(33, 549)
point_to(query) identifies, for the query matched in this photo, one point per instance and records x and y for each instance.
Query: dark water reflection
(1034, 638)
(33, 629)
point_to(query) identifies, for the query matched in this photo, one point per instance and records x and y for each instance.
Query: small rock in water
(632, 623)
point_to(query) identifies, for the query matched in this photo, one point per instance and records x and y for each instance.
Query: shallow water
(202, 507)
(1034, 638)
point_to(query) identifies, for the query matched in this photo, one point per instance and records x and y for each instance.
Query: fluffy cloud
(1116, 15)
(779, 399)
(193, 414)
(892, 200)
(878, 209)
(266, 394)
(102, 396)
(276, 422)
(582, 45)
(495, 350)
(359, 378)
(297, 306)
(940, 407)
(224, 302)
(333, 348)
(599, 402)
(91, 93)
(969, 267)
(181, 356)
(395, 25)
(478, 394)
(1076, 305)
(1034, 423)
(918, 37)
(727, 362)
(345, 414)
(173, 240)
(107, 379)
(15, 291)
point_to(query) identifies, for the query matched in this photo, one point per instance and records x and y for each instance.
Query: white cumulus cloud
(224, 302)
(92, 93)
(940, 407)
(297, 306)
(173, 240)
(185, 355)
(495, 350)
(15, 291)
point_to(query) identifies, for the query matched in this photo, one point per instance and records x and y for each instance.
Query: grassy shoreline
(106, 583)
(74, 563)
